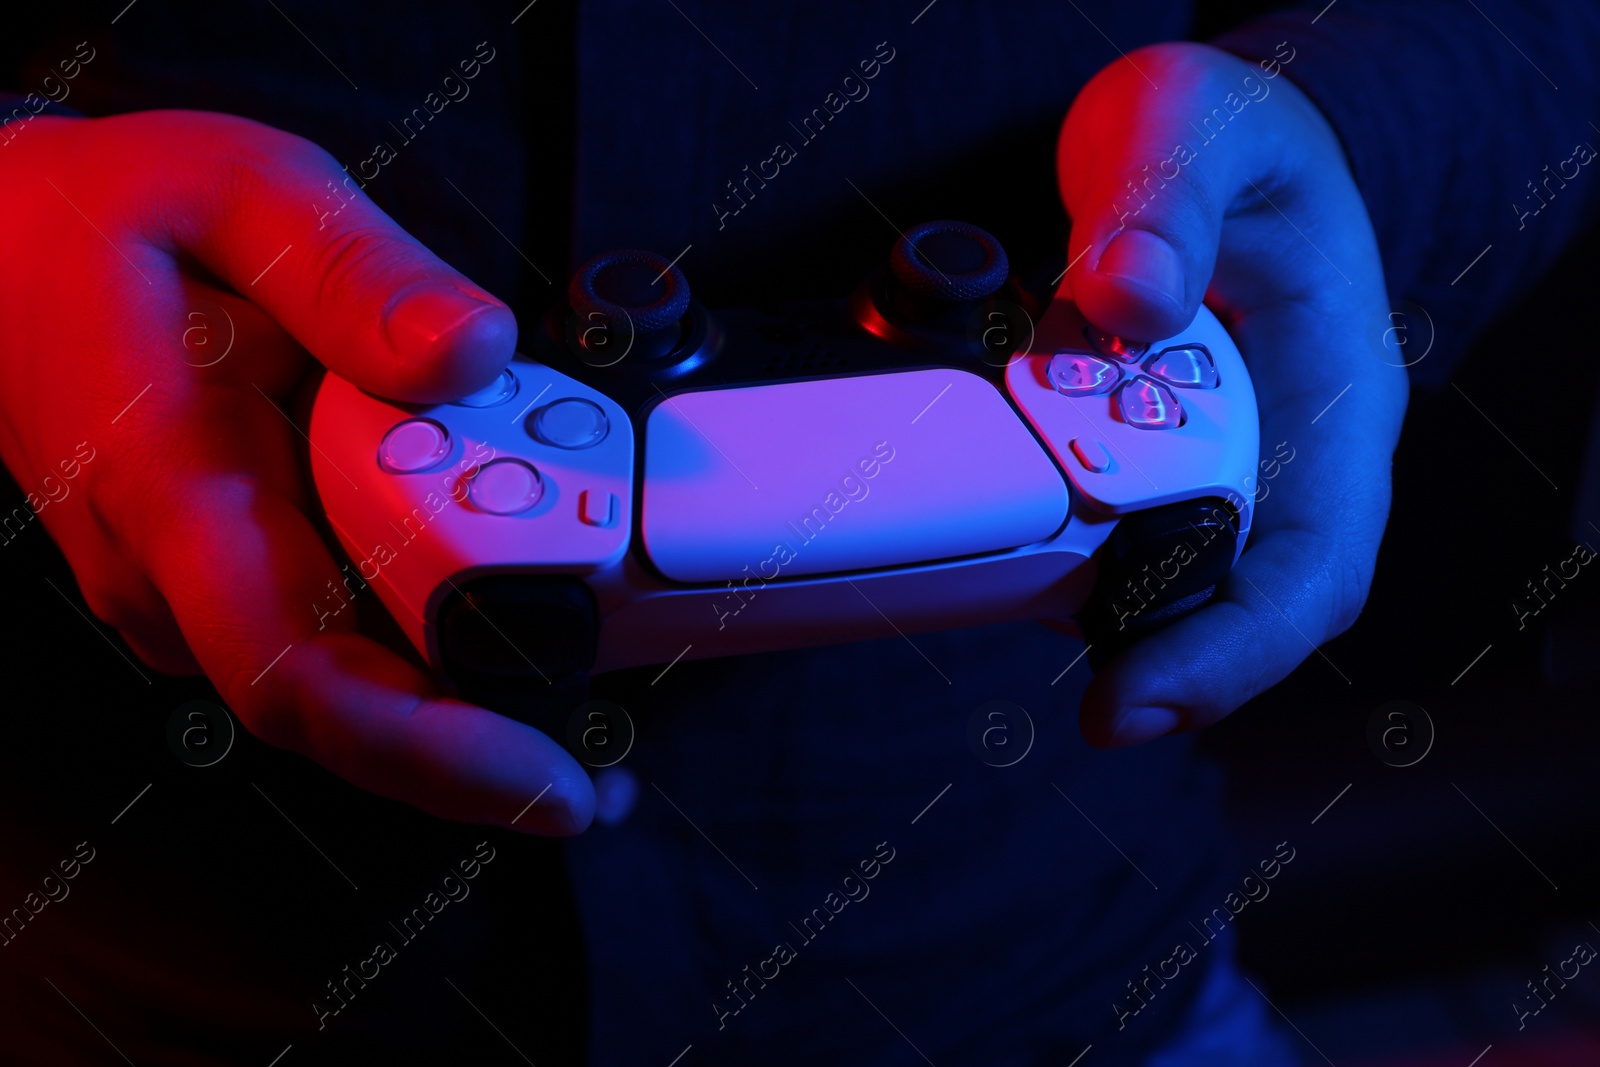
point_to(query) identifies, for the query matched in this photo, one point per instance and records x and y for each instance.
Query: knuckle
(352, 260)
(261, 715)
(262, 699)
(253, 160)
(119, 608)
(259, 148)
(1351, 586)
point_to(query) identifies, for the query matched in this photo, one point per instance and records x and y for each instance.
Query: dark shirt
(1007, 924)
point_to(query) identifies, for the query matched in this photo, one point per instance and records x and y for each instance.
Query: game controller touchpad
(840, 474)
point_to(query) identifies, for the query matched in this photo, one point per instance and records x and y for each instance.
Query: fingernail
(572, 806)
(1141, 257)
(1143, 724)
(420, 314)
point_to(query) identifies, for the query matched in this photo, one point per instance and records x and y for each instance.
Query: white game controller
(659, 482)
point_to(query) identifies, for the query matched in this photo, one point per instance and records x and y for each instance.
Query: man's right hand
(1266, 223)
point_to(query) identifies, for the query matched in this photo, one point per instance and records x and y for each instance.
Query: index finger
(245, 572)
(276, 218)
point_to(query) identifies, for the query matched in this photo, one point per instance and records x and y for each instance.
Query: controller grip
(1158, 566)
(522, 646)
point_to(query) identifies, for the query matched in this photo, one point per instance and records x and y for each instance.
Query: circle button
(506, 487)
(571, 423)
(1185, 366)
(412, 446)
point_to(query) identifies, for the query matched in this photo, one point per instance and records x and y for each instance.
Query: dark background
(1402, 890)
(1406, 926)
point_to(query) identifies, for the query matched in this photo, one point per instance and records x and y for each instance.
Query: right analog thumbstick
(953, 262)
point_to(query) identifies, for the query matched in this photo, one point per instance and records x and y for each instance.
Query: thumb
(291, 231)
(1146, 189)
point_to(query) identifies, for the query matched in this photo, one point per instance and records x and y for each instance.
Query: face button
(1148, 405)
(496, 392)
(1117, 348)
(506, 487)
(570, 423)
(412, 446)
(1092, 454)
(1082, 373)
(1186, 366)
(596, 507)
